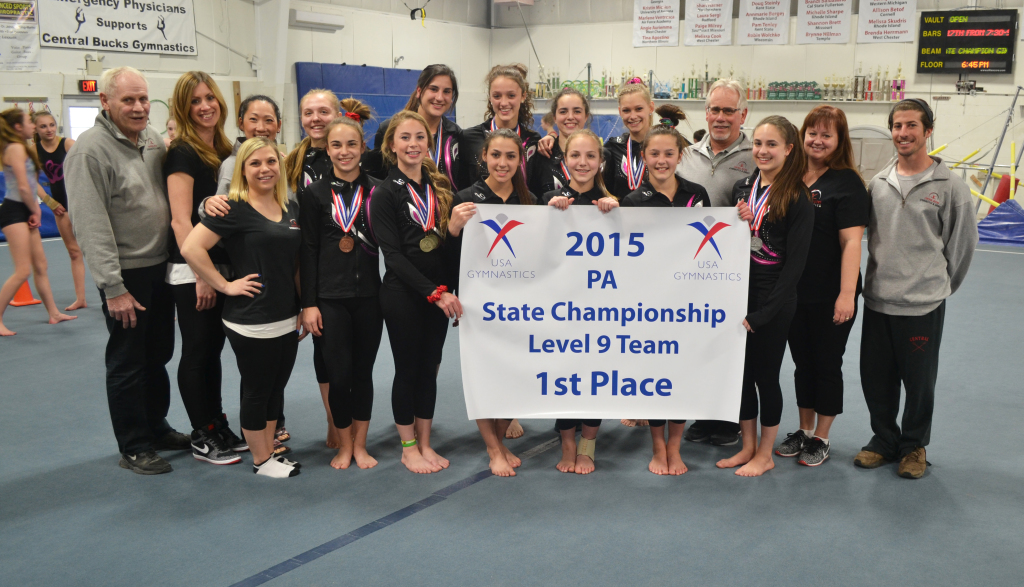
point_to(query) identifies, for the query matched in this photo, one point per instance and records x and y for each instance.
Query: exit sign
(87, 86)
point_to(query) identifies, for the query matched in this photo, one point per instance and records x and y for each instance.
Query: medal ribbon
(565, 171)
(346, 217)
(758, 206)
(522, 168)
(438, 145)
(636, 173)
(425, 209)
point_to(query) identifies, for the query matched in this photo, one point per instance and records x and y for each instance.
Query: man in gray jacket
(717, 162)
(121, 216)
(921, 238)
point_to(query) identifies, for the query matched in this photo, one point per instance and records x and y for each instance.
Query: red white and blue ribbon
(758, 207)
(634, 173)
(344, 216)
(565, 171)
(438, 145)
(424, 210)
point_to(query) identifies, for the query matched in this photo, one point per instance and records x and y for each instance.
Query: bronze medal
(429, 243)
(346, 244)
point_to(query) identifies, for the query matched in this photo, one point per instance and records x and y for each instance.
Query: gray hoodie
(117, 200)
(919, 246)
(717, 173)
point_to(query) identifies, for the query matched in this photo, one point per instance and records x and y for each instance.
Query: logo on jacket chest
(741, 167)
(816, 198)
(933, 199)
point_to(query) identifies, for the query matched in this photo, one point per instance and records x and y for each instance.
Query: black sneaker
(724, 438)
(207, 445)
(793, 444)
(233, 441)
(145, 463)
(698, 432)
(173, 440)
(815, 452)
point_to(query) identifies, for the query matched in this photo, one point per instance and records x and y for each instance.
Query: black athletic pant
(817, 346)
(199, 370)
(265, 365)
(571, 424)
(896, 349)
(656, 423)
(352, 329)
(138, 389)
(766, 347)
(416, 330)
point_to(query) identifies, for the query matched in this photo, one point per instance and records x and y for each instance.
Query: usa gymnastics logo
(709, 228)
(501, 225)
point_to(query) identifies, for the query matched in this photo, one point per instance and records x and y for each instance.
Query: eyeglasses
(715, 110)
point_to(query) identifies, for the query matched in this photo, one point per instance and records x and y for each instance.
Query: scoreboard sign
(962, 41)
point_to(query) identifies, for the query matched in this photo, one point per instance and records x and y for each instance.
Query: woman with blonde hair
(410, 213)
(624, 169)
(191, 168)
(261, 311)
(20, 214)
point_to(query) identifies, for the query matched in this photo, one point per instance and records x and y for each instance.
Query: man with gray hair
(720, 159)
(118, 204)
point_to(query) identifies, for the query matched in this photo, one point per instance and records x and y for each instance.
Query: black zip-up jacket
(688, 195)
(614, 176)
(555, 178)
(374, 164)
(588, 198)
(399, 236)
(776, 268)
(471, 168)
(315, 165)
(326, 272)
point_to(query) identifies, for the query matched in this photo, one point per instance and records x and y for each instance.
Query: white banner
(19, 36)
(130, 26)
(764, 22)
(655, 23)
(708, 22)
(823, 21)
(633, 314)
(886, 21)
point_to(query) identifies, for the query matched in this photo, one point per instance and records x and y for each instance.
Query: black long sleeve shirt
(589, 198)
(326, 271)
(448, 163)
(688, 195)
(615, 178)
(471, 168)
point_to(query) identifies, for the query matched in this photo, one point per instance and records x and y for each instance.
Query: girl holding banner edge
(503, 154)
(777, 205)
(662, 151)
(341, 282)
(410, 213)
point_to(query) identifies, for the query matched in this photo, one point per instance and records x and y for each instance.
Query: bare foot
(568, 462)
(433, 458)
(741, 458)
(628, 423)
(78, 305)
(343, 459)
(414, 461)
(4, 331)
(584, 465)
(659, 463)
(756, 467)
(515, 430)
(511, 458)
(499, 466)
(642, 422)
(61, 318)
(363, 459)
(675, 464)
(333, 438)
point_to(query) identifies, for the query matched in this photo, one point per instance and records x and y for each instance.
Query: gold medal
(429, 243)
(346, 244)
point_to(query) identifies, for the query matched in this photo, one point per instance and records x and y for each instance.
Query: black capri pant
(416, 331)
(817, 346)
(351, 337)
(265, 365)
(766, 347)
(570, 424)
(657, 423)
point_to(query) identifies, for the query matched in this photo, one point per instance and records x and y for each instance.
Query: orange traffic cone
(24, 296)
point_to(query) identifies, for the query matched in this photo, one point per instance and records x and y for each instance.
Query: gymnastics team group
(243, 243)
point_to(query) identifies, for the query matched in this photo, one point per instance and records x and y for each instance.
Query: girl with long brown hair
(410, 213)
(20, 215)
(777, 206)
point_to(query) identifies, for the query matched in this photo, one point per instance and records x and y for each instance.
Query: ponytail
(670, 116)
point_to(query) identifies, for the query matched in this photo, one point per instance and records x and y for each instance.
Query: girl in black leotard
(570, 110)
(624, 167)
(52, 149)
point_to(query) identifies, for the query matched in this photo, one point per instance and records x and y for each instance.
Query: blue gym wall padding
(308, 76)
(48, 224)
(348, 79)
(1004, 226)
(400, 81)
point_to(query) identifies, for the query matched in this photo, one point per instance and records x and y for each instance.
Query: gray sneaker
(145, 463)
(815, 453)
(793, 444)
(208, 446)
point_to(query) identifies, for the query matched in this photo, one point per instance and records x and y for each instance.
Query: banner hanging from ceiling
(655, 23)
(19, 36)
(166, 27)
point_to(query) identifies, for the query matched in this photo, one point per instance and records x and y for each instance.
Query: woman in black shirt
(503, 154)
(191, 170)
(775, 203)
(827, 293)
(340, 283)
(410, 212)
(261, 313)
